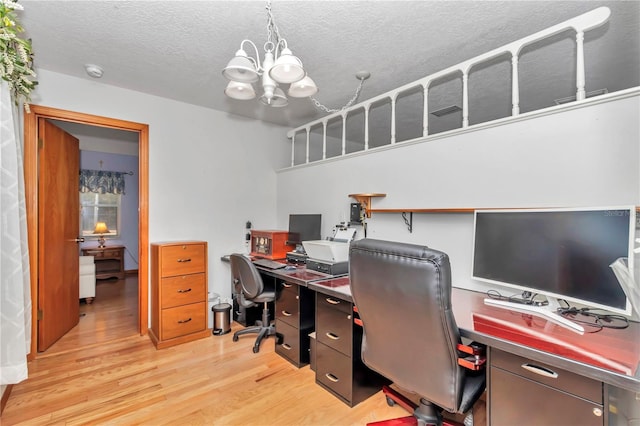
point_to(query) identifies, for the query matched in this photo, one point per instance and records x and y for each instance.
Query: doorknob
(80, 240)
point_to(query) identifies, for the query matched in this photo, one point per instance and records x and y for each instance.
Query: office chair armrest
(473, 356)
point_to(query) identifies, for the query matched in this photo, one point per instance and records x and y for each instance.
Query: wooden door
(58, 228)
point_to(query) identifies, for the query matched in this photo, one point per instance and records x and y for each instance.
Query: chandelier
(279, 66)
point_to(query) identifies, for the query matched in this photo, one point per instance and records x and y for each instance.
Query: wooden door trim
(31, 195)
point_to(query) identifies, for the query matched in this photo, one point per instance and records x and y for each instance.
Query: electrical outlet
(637, 220)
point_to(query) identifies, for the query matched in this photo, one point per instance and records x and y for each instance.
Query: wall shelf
(409, 220)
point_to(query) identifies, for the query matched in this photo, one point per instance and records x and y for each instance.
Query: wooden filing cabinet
(294, 321)
(339, 366)
(178, 292)
(109, 261)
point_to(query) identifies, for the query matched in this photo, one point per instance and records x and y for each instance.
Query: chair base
(424, 413)
(263, 330)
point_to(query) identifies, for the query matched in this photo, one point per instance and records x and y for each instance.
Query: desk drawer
(334, 328)
(183, 259)
(325, 301)
(183, 320)
(287, 306)
(334, 371)
(565, 381)
(288, 342)
(182, 290)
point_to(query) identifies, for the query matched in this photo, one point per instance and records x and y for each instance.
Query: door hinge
(40, 314)
(40, 143)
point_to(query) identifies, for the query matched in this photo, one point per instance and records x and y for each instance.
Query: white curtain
(15, 292)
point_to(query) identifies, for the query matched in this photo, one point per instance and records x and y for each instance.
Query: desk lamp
(101, 228)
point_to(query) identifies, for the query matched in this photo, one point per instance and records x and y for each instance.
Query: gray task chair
(403, 295)
(251, 292)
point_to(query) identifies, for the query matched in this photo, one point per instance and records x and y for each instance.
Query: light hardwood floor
(102, 372)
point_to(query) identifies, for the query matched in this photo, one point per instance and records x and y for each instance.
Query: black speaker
(356, 213)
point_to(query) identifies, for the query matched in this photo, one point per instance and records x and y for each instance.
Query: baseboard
(5, 397)
(131, 272)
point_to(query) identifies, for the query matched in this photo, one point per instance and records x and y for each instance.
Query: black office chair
(403, 295)
(250, 290)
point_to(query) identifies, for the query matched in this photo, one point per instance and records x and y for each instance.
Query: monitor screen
(304, 227)
(562, 253)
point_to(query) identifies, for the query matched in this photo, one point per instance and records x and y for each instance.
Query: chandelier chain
(348, 104)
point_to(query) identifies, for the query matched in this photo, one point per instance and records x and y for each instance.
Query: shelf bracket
(408, 222)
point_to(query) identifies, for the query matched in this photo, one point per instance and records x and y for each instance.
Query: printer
(330, 256)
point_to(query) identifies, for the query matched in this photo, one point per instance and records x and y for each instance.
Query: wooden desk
(109, 261)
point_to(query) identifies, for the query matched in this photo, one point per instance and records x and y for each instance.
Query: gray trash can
(221, 318)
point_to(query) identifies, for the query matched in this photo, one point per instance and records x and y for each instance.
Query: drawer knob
(286, 314)
(597, 412)
(184, 260)
(183, 321)
(332, 301)
(540, 370)
(331, 377)
(286, 346)
(184, 291)
(332, 336)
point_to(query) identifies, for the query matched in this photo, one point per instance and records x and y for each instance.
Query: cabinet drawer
(288, 342)
(334, 328)
(562, 380)
(334, 370)
(287, 306)
(182, 290)
(183, 320)
(183, 259)
(516, 400)
(334, 303)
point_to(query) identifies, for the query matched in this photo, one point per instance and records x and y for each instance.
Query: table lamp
(101, 228)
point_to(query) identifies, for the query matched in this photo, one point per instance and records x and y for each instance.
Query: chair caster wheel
(256, 350)
(235, 338)
(390, 402)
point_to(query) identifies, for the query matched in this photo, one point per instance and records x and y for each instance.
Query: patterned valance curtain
(101, 181)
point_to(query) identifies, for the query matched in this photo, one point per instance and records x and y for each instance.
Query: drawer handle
(286, 314)
(184, 291)
(332, 301)
(184, 260)
(286, 346)
(332, 336)
(285, 285)
(331, 377)
(540, 370)
(183, 321)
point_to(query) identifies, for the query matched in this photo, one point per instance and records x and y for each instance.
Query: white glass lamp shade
(241, 69)
(241, 91)
(303, 88)
(278, 99)
(287, 68)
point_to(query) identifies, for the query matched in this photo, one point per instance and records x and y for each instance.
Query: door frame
(31, 195)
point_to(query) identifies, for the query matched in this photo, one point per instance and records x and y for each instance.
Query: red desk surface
(614, 350)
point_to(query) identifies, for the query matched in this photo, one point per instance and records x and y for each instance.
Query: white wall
(209, 172)
(575, 157)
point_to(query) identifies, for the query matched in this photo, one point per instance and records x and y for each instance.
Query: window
(99, 208)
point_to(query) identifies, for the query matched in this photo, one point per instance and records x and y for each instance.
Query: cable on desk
(592, 318)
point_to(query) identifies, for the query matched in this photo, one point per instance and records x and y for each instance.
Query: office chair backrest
(245, 276)
(403, 294)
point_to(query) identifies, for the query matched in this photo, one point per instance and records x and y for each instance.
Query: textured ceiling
(177, 49)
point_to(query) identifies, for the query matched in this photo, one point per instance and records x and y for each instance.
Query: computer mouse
(289, 267)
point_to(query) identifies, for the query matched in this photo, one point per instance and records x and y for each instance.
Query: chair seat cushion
(265, 296)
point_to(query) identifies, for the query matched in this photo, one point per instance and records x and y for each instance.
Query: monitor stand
(548, 312)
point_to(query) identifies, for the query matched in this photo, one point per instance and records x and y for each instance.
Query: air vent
(573, 98)
(447, 110)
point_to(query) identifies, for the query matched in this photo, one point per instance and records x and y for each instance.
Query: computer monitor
(559, 253)
(304, 227)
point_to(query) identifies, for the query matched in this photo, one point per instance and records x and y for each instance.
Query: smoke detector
(94, 71)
